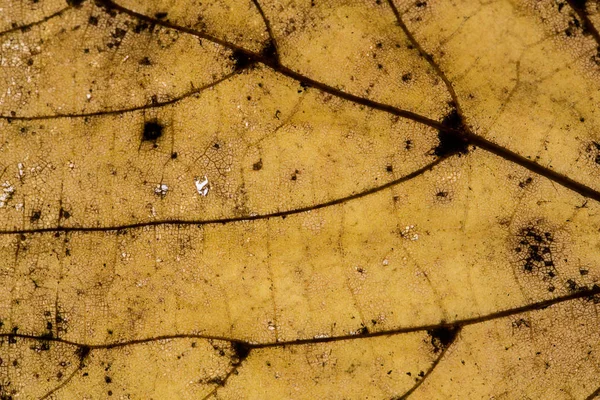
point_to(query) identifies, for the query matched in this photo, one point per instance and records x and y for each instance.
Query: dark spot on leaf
(389, 168)
(160, 15)
(82, 353)
(421, 3)
(443, 337)
(107, 379)
(240, 60)
(406, 77)
(93, 20)
(257, 166)
(35, 216)
(442, 194)
(452, 141)
(241, 351)
(173, 155)
(270, 51)
(145, 61)
(152, 131)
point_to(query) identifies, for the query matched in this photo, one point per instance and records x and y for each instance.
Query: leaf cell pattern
(299, 199)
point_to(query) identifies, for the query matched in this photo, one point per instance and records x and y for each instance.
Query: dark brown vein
(595, 394)
(586, 294)
(157, 104)
(63, 383)
(424, 377)
(224, 221)
(26, 27)
(424, 54)
(274, 51)
(587, 23)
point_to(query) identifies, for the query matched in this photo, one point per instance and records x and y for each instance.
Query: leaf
(299, 199)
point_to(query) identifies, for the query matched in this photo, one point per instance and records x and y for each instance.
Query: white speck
(7, 192)
(19, 206)
(386, 261)
(271, 326)
(20, 167)
(202, 186)
(88, 96)
(323, 336)
(161, 189)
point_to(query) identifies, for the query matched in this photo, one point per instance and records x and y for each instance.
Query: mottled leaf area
(299, 199)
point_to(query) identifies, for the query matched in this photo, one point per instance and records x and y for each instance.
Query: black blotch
(174, 155)
(363, 330)
(75, 3)
(35, 216)
(152, 131)
(270, 51)
(240, 60)
(257, 166)
(389, 168)
(452, 141)
(64, 214)
(583, 272)
(442, 194)
(107, 379)
(421, 4)
(408, 144)
(443, 337)
(93, 20)
(241, 352)
(82, 353)
(407, 77)
(160, 15)
(145, 61)
(303, 86)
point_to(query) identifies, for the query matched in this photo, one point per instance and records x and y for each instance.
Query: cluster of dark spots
(521, 322)
(107, 379)
(523, 184)
(406, 77)
(295, 175)
(452, 140)
(408, 144)
(152, 131)
(140, 27)
(303, 86)
(421, 4)
(441, 194)
(594, 149)
(535, 251)
(363, 330)
(443, 337)
(573, 287)
(257, 166)
(241, 351)
(241, 60)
